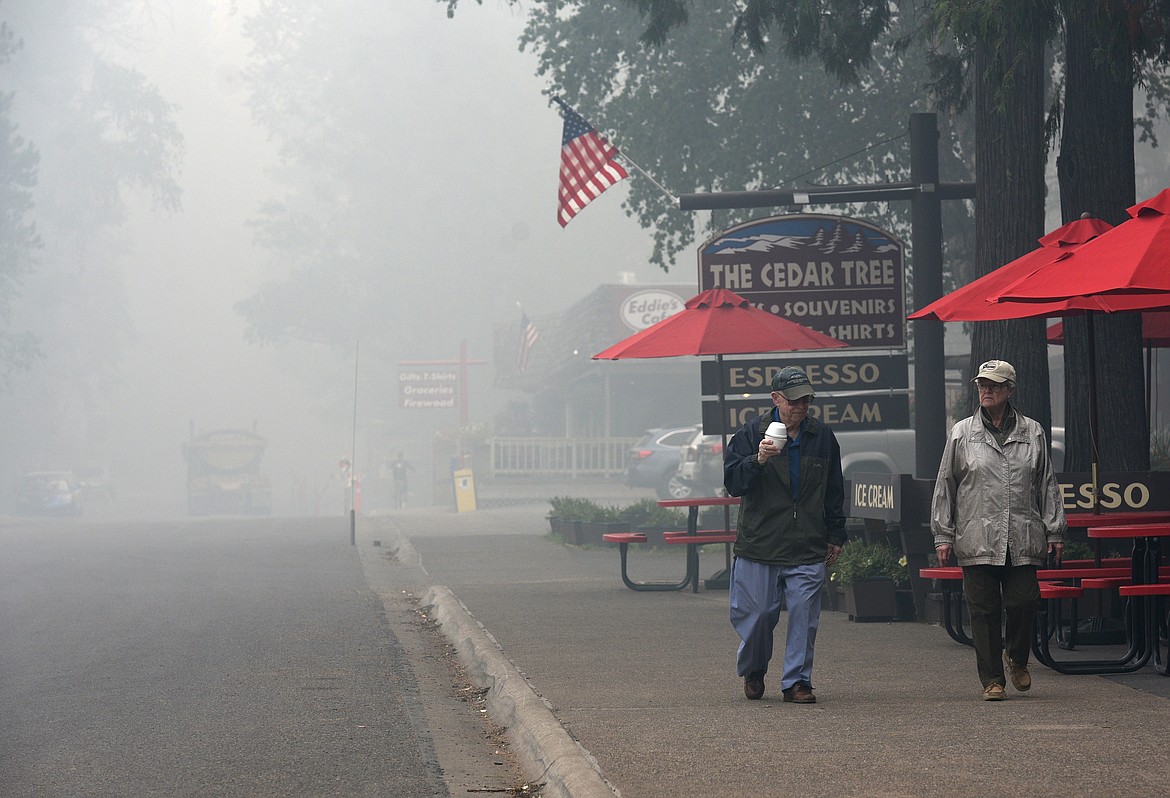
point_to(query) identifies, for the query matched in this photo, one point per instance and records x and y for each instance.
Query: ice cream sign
(644, 308)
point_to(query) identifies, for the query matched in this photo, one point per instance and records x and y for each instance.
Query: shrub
(646, 512)
(582, 510)
(861, 560)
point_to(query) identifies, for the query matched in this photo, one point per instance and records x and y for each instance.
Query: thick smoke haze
(473, 213)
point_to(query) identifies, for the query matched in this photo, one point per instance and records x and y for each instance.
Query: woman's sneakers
(1021, 679)
(994, 692)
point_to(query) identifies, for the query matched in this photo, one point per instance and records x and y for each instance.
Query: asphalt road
(224, 657)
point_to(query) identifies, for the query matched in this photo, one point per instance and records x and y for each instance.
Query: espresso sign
(1123, 491)
(839, 276)
(849, 373)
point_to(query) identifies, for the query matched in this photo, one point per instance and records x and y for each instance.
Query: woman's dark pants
(1002, 601)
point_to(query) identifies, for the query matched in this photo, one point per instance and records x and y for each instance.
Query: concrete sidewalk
(610, 691)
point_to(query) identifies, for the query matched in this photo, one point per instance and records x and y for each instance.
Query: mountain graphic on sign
(826, 240)
(764, 242)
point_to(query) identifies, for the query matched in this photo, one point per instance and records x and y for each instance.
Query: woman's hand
(1056, 552)
(943, 552)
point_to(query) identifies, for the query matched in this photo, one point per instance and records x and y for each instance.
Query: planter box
(871, 600)
(653, 532)
(588, 533)
(905, 601)
(934, 608)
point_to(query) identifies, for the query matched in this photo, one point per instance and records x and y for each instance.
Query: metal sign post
(925, 193)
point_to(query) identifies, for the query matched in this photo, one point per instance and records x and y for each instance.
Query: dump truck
(223, 473)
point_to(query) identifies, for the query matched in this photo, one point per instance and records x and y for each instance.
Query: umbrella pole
(1093, 406)
(723, 433)
(1149, 384)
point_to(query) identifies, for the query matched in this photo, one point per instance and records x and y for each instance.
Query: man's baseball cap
(996, 371)
(792, 383)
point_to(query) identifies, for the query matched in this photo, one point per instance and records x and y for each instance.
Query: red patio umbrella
(1123, 269)
(982, 299)
(719, 322)
(1126, 268)
(972, 301)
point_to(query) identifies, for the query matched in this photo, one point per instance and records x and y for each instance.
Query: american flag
(528, 337)
(587, 165)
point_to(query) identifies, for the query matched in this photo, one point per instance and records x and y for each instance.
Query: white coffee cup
(777, 433)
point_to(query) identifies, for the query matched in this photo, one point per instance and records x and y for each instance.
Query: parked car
(700, 468)
(653, 461)
(48, 493)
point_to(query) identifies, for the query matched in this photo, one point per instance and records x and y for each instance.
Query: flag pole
(673, 199)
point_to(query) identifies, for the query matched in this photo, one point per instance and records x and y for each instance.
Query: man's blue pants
(755, 595)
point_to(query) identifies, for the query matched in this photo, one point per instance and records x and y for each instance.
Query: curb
(541, 743)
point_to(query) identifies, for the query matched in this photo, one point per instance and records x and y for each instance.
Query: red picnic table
(692, 538)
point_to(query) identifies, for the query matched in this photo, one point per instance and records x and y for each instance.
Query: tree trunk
(1009, 203)
(1096, 173)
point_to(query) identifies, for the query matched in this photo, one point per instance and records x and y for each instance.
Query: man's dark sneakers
(800, 694)
(753, 686)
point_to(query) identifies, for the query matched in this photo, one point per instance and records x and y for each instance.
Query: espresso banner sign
(828, 374)
(1123, 491)
(852, 412)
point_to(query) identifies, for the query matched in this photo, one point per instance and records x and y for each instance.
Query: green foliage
(1077, 550)
(575, 509)
(646, 512)
(642, 512)
(861, 560)
(703, 114)
(18, 236)
(1160, 449)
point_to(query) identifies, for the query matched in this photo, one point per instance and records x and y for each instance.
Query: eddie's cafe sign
(642, 309)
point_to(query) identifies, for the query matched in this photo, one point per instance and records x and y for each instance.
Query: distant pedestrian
(997, 507)
(400, 470)
(791, 524)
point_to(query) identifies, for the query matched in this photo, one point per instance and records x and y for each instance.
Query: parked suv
(652, 462)
(700, 468)
(48, 493)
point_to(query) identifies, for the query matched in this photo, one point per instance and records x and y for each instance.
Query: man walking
(787, 467)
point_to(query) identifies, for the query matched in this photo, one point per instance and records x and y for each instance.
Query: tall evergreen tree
(18, 236)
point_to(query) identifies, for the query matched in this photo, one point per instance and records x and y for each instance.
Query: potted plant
(598, 520)
(582, 521)
(869, 574)
(566, 516)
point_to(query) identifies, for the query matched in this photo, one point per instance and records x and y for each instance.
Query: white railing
(564, 456)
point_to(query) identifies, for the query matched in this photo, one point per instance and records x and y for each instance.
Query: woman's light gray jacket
(989, 499)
